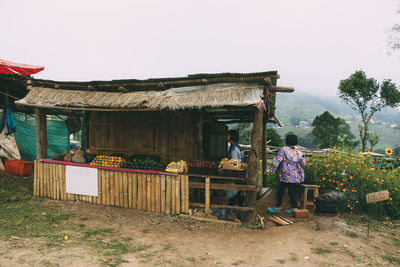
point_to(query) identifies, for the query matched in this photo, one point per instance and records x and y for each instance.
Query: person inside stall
(236, 151)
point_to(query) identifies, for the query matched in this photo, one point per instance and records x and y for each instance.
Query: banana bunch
(177, 167)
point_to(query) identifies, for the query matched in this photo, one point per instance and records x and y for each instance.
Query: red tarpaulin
(16, 68)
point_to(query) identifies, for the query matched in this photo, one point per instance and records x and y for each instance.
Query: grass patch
(333, 243)
(280, 261)
(389, 257)
(321, 250)
(351, 234)
(236, 263)
(396, 241)
(93, 232)
(145, 231)
(293, 257)
(191, 259)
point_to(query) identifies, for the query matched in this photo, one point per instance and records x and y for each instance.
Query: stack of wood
(279, 220)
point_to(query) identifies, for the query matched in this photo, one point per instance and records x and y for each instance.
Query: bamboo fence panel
(158, 193)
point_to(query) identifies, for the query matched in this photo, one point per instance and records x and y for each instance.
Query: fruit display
(177, 167)
(144, 162)
(232, 164)
(108, 161)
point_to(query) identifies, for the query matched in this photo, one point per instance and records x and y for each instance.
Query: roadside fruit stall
(148, 144)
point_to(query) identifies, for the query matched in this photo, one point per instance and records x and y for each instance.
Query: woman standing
(288, 164)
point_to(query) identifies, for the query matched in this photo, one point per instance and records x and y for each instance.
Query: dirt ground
(155, 239)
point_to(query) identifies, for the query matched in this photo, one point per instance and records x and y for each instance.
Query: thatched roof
(212, 95)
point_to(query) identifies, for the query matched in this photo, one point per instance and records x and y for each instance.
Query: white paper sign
(81, 181)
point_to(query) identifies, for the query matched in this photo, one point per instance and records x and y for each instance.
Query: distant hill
(296, 111)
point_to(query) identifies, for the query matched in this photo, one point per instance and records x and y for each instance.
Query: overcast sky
(313, 44)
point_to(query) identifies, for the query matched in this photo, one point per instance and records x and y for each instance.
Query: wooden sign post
(376, 197)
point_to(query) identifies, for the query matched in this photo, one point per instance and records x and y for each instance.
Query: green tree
(274, 137)
(329, 131)
(373, 139)
(366, 96)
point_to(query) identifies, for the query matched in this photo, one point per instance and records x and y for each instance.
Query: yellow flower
(344, 189)
(388, 151)
(391, 198)
(360, 154)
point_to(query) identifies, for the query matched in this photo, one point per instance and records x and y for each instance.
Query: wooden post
(207, 196)
(264, 150)
(126, 190)
(254, 162)
(153, 193)
(41, 134)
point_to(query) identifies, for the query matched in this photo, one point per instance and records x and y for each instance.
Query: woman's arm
(278, 159)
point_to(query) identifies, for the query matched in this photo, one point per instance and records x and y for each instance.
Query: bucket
(325, 223)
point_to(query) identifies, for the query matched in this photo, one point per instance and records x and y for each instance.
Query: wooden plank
(187, 193)
(97, 200)
(62, 182)
(135, 196)
(158, 193)
(162, 196)
(168, 195)
(377, 196)
(183, 194)
(108, 192)
(139, 190)
(57, 179)
(217, 206)
(103, 199)
(207, 219)
(126, 189)
(178, 193)
(148, 192)
(217, 177)
(144, 192)
(207, 196)
(130, 189)
(116, 189)
(112, 188)
(48, 180)
(35, 183)
(214, 186)
(173, 194)
(121, 189)
(153, 193)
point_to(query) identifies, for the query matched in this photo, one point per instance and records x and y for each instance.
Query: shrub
(351, 177)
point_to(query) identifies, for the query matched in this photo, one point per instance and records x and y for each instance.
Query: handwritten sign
(377, 196)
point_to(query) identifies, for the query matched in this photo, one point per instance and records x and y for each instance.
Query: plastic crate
(19, 167)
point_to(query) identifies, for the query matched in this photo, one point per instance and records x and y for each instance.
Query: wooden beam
(41, 134)
(281, 89)
(205, 219)
(216, 206)
(253, 162)
(238, 187)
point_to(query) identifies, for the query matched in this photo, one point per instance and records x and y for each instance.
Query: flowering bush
(351, 177)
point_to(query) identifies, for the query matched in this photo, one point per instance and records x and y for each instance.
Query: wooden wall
(172, 135)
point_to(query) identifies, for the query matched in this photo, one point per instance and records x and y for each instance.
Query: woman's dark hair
(291, 140)
(234, 135)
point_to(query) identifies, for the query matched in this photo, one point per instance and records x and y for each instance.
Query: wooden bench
(307, 187)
